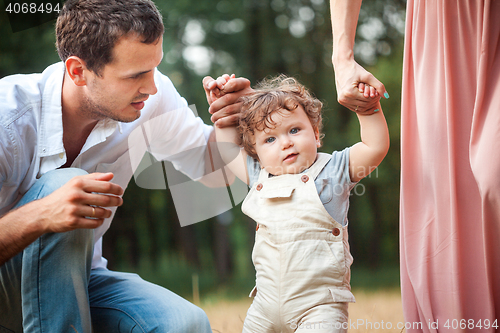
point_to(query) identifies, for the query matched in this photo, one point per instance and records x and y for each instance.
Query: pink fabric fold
(450, 163)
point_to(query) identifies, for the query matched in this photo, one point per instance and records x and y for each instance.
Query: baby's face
(291, 147)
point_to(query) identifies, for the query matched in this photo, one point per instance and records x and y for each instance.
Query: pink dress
(450, 165)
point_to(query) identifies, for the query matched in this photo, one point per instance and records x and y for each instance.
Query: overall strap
(317, 166)
(263, 175)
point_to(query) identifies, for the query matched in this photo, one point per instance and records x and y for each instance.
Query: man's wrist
(33, 214)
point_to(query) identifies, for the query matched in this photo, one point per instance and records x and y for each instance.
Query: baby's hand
(367, 91)
(218, 90)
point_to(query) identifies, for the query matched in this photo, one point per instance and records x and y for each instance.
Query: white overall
(301, 257)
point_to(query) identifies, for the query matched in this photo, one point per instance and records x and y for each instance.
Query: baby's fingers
(214, 94)
(366, 92)
(221, 81)
(361, 87)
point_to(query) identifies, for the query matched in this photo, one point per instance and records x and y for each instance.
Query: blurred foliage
(254, 39)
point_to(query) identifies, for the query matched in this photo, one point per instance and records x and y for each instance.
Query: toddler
(299, 199)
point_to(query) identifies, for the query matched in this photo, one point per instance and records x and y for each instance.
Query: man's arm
(225, 110)
(19, 228)
(348, 73)
(65, 209)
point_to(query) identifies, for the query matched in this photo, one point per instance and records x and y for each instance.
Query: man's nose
(149, 86)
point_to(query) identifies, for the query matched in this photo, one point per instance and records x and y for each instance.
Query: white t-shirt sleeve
(175, 133)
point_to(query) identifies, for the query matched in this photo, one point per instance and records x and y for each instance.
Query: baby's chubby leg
(257, 320)
(325, 318)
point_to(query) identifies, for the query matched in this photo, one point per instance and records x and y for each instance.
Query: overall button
(259, 187)
(336, 231)
(304, 178)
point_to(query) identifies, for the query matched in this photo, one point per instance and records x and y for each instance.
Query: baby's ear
(318, 137)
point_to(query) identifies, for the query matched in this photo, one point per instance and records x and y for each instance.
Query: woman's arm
(348, 73)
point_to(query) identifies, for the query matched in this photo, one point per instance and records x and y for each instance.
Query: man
(64, 142)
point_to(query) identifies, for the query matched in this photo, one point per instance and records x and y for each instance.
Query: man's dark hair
(89, 29)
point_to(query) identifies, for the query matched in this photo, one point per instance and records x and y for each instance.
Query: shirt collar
(51, 128)
(102, 130)
(51, 133)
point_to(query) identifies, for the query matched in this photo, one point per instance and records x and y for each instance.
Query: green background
(254, 39)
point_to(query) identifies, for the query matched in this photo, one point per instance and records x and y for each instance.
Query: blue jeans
(50, 287)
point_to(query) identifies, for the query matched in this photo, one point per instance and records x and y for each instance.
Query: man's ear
(76, 67)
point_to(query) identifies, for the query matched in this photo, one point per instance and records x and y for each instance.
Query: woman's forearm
(344, 15)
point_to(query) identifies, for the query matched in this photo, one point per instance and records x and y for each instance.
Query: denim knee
(194, 321)
(114, 320)
(70, 244)
(48, 183)
(199, 321)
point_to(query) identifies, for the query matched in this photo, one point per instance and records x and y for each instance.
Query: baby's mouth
(290, 157)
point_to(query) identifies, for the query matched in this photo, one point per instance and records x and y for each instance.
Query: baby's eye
(294, 130)
(270, 140)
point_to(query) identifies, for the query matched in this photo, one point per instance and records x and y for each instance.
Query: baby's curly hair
(275, 94)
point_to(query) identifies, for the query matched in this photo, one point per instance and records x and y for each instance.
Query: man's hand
(350, 78)
(79, 203)
(225, 109)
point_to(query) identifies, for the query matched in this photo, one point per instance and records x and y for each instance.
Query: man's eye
(294, 130)
(270, 140)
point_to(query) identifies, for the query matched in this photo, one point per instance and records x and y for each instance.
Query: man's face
(125, 83)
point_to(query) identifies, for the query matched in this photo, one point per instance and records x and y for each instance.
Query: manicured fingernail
(386, 95)
(376, 110)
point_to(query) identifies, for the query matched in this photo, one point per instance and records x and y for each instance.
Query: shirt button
(304, 178)
(259, 187)
(61, 155)
(336, 231)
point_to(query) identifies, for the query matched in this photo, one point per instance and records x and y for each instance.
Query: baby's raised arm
(232, 154)
(228, 140)
(366, 155)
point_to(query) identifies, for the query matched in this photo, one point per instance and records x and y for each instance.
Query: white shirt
(31, 138)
